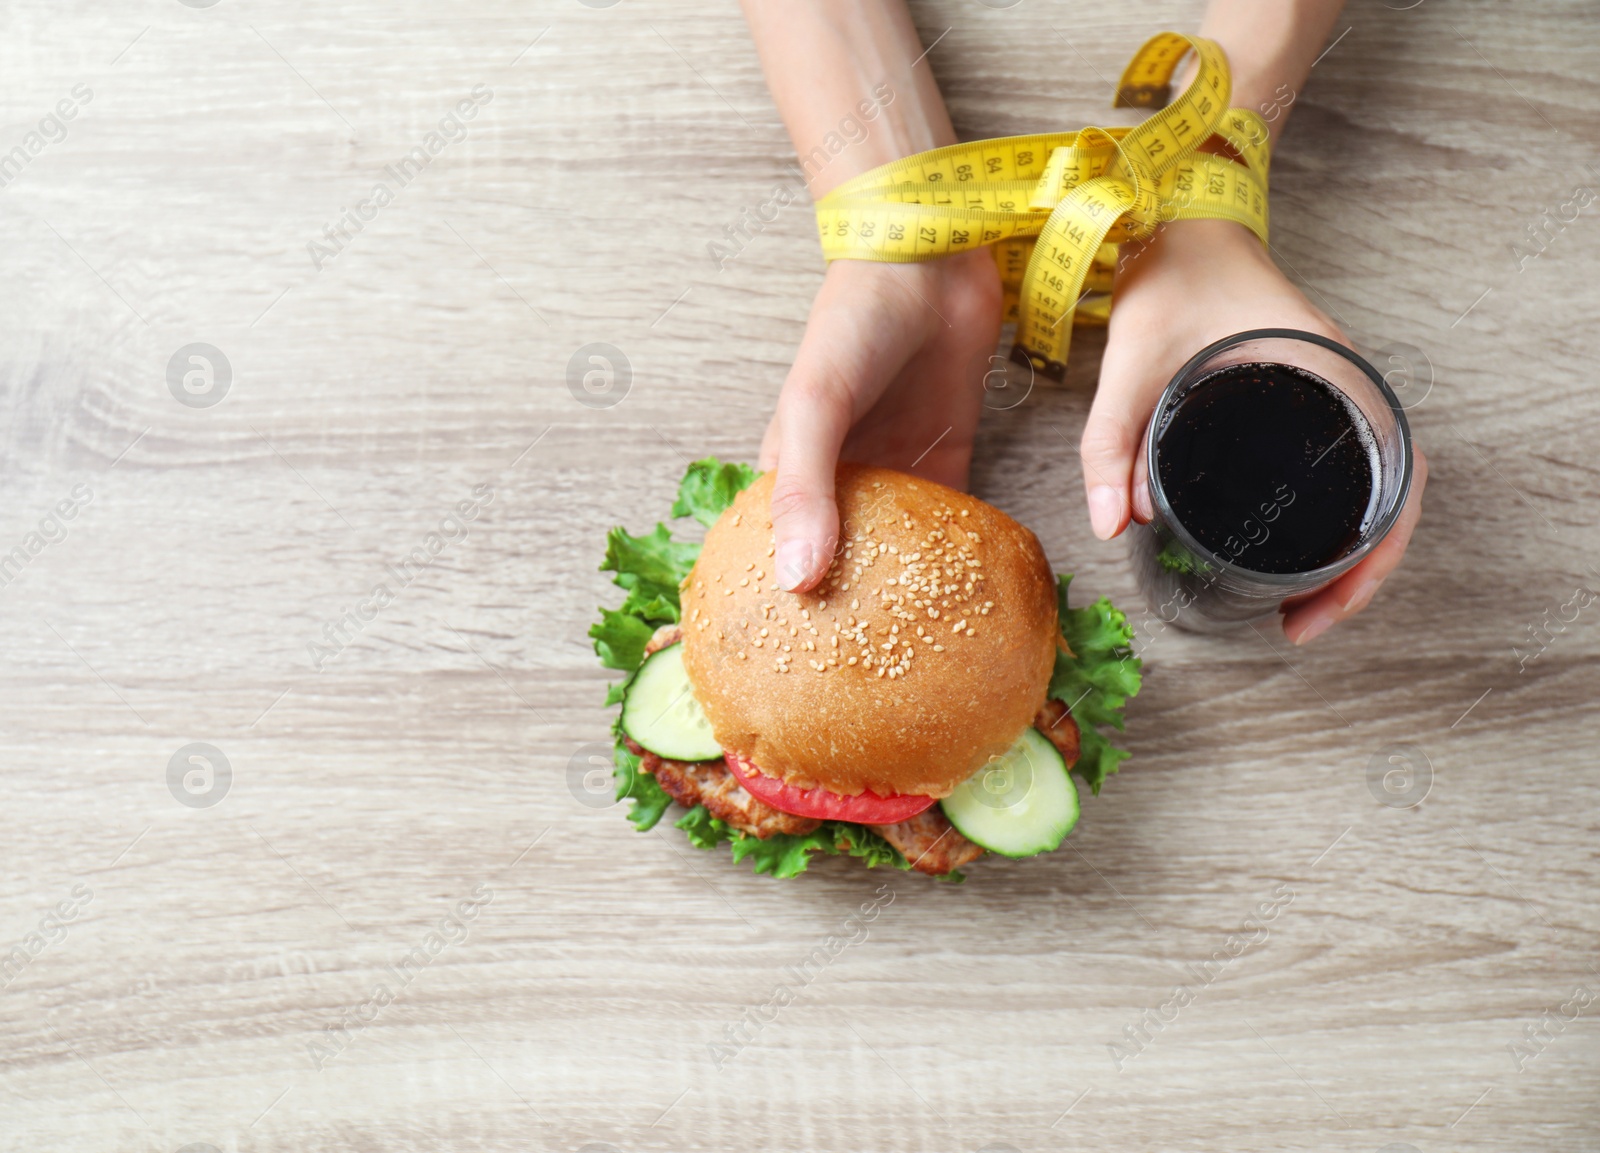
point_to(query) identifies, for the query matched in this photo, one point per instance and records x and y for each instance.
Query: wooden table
(185, 966)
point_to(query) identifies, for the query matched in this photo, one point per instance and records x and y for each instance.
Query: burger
(931, 700)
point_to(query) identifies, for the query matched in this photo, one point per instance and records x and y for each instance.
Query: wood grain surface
(1428, 978)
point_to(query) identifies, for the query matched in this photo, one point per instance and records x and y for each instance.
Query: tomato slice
(866, 808)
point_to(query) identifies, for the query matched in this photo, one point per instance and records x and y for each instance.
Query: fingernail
(1105, 510)
(1314, 630)
(795, 560)
(1141, 502)
(1358, 599)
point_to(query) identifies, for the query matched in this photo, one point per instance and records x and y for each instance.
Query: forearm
(848, 79)
(1271, 45)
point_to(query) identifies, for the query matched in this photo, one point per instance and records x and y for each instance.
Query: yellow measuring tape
(1056, 205)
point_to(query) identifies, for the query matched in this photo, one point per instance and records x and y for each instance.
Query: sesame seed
(972, 632)
(749, 566)
(744, 582)
(938, 648)
(741, 656)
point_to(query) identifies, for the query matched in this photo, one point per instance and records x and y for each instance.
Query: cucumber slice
(1022, 802)
(660, 711)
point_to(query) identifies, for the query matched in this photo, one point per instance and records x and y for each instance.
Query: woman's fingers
(1113, 436)
(1143, 508)
(767, 459)
(857, 340)
(1351, 593)
(816, 412)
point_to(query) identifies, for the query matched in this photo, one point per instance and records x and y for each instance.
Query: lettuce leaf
(649, 799)
(650, 568)
(709, 487)
(867, 846)
(1095, 681)
(784, 854)
(787, 854)
(620, 638)
(703, 830)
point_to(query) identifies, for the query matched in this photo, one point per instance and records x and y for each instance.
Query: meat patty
(710, 783)
(1056, 723)
(662, 637)
(930, 842)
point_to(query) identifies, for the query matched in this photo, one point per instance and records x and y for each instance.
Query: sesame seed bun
(926, 649)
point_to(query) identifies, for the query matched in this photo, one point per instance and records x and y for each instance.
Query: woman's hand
(889, 372)
(1194, 283)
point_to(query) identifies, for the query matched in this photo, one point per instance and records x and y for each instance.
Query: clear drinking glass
(1197, 588)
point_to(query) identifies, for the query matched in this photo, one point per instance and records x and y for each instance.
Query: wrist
(884, 126)
(927, 276)
(851, 84)
(1193, 244)
(1271, 48)
(1202, 234)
